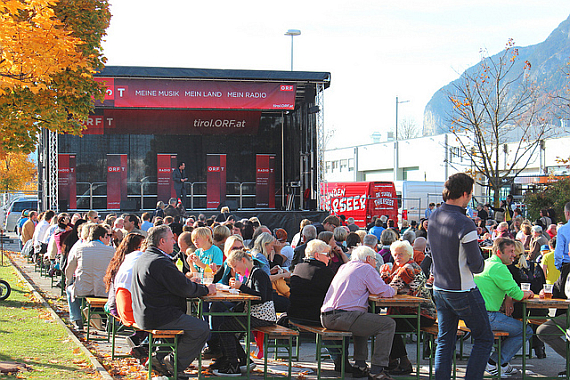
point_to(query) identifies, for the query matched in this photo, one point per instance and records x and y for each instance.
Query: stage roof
(300, 77)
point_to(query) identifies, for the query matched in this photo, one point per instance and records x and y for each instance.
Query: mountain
(549, 61)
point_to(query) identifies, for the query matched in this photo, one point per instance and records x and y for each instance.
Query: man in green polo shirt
(494, 283)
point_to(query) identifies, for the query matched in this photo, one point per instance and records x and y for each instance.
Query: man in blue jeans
(496, 282)
(456, 256)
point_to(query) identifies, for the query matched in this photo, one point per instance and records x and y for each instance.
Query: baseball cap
(545, 247)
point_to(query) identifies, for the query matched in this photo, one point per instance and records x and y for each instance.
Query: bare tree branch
(494, 105)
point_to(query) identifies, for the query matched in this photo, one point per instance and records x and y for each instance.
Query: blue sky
(375, 50)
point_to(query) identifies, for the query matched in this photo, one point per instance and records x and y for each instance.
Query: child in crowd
(206, 254)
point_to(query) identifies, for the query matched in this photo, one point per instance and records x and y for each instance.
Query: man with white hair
(309, 233)
(371, 241)
(537, 241)
(346, 308)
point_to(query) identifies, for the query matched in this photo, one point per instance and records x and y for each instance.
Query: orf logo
(287, 87)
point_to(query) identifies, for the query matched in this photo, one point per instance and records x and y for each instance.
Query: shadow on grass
(35, 364)
(18, 304)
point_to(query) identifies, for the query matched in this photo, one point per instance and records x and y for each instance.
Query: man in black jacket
(159, 293)
(310, 282)
(179, 178)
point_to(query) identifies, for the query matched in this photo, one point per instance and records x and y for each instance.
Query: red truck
(360, 200)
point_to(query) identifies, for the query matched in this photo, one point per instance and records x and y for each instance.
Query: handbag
(264, 311)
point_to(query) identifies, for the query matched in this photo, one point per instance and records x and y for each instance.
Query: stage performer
(179, 178)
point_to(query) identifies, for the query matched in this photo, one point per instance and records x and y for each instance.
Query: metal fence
(239, 195)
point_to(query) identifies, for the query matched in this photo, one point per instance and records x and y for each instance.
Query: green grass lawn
(29, 334)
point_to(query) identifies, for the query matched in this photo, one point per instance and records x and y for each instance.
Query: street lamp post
(396, 162)
(292, 33)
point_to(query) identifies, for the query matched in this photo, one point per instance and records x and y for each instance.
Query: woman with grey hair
(340, 234)
(410, 236)
(407, 277)
(386, 239)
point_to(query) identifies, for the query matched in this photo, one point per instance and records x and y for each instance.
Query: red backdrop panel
(216, 179)
(265, 181)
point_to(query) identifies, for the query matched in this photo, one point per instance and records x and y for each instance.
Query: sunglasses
(109, 235)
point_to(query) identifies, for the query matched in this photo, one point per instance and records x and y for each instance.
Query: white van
(15, 211)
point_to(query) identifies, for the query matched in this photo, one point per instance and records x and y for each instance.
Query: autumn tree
(49, 51)
(495, 104)
(17, 172)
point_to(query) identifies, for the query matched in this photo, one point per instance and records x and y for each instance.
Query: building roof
(299, 77)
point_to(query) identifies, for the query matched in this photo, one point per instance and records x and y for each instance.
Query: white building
(434, 158)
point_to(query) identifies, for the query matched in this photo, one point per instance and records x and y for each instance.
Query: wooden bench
(169, 339)
(322, 334)
(116, 326)
(432, 333)
(276, 333)
(497, 336)
(94, 306)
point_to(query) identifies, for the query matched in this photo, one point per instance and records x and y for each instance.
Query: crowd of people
(148, 267)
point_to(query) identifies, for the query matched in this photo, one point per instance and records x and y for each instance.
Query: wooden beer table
(544, 303)
(226, 296)
(402, 300)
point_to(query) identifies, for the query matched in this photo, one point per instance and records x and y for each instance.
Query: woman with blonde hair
(263, 252)
(361, 234)
(262, 312)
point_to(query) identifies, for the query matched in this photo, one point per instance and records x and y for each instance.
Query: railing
(93, 195)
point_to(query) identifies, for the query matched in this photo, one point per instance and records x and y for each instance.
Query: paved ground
(306, 368)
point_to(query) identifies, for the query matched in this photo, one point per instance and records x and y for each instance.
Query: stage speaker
(129, 205)
(62, 205)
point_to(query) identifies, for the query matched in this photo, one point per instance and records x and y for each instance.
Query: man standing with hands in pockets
(452, 237)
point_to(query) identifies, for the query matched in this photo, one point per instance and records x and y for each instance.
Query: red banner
(172, 122)
(265, 180)
(165, 164)
(172, 93)
(116, 180)
(67, 190)
(216, 179)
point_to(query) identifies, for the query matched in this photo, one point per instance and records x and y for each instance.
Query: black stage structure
(176, 120)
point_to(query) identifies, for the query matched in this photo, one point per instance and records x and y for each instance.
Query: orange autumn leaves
(49, 51)
(34, 45)
(17, 172)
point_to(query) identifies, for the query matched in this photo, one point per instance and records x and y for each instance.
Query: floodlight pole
(292, 33)
(396, 162)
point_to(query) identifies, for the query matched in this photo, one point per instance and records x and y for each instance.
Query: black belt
(333, 312)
